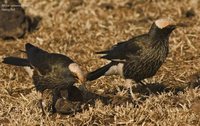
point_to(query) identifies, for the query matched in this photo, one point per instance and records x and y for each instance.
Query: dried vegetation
(78, 29)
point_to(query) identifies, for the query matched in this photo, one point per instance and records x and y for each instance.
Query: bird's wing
(38, 58)
(52, 80)
(44, 61)
(56, 73)
(124, 50)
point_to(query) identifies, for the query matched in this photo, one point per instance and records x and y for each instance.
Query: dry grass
(78, 29)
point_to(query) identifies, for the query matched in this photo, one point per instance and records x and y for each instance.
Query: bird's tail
(33, 49)
(33, 53)
(29, 46)
(16, 61)
(102, 52)
(99, 72)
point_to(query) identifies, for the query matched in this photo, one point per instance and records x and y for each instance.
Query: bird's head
(77, 72)
(162, 28)
(166, 24)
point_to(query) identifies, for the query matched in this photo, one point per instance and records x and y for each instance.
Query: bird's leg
(40, 103)
(142, 83)
(129, 84)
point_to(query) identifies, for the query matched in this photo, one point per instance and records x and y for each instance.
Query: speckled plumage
(141, 56)
(51, 70)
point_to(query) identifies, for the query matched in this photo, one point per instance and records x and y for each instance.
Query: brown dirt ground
(78, 29)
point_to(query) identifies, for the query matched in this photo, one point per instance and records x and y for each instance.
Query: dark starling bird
(73, 99)
(51, 70)
(14, 22)
(68, 101)
(76, 99)
(140, 57)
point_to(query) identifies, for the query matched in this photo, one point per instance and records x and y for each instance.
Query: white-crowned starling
(139, 57)
(50, 70)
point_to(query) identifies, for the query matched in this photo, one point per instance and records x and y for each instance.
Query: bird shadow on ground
(142, 92)
(112, 98)
(79, 100)
(156, 89)
(74, 104)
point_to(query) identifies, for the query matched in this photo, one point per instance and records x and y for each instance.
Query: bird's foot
(41, 103)
(145, 86)
(130, 86)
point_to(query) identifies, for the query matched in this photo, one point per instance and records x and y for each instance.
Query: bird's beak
(173, 27)
(178, 25)
(181, 25)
